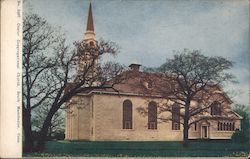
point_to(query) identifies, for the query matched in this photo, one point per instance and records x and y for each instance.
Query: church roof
(90, 23)
(143, 83)
(151, 85)
(154, 85)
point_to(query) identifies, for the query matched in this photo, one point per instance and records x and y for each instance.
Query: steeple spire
(89, 35)
(90, 23)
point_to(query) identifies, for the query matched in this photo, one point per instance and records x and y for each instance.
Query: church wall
(99, 117)
(84, 122)
(108, 121)
(213, 132)
(218, 134)
(78, 119)
(194, 134)
(66, 121)
(69, 122)
(73, 123)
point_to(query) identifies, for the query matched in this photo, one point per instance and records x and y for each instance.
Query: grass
(196, 148)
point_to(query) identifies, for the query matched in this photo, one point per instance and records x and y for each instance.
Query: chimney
(135, 67)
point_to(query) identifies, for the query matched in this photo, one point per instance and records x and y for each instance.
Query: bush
(240, 136)
(58, 136)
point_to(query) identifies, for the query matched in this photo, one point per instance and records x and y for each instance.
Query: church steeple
(86, 59)
(89, 35)
(90, 23)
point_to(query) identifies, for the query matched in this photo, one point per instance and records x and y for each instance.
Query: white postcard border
(11, 79)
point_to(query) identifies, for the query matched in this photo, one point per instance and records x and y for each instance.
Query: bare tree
(57, 122)
(191, 82)
(76, 72)
(39, 39)
(54, 73)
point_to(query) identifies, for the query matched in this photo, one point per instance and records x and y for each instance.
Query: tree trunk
(185, 126)
(185, 133)
(28, 136)
(50, 133)
(44, 131)
(43, 135)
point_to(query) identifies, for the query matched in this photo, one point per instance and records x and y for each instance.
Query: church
(108, 115)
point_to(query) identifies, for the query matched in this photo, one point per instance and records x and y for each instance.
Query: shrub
(240, 136)
(58, 136)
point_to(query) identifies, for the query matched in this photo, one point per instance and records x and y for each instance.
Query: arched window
(91, 43)
(152, 115)
(127, 114)
(175, 117)
(216, 108)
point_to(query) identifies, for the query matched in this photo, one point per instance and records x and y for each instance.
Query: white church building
(111, 116)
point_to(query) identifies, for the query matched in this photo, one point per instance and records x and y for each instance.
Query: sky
(149, 31)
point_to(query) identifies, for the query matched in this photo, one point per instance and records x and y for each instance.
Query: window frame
(175, 111)
(152, 115)
(226, 126)
(215, 109)
(127, 114)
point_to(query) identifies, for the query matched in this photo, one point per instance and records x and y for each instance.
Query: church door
(204, 132)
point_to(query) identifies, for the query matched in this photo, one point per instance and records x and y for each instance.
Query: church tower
(86, 59)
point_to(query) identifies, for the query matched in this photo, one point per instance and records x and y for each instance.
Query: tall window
(216, 108)
(175, 117)
(152, 115)
(127, 114)
(195, 126)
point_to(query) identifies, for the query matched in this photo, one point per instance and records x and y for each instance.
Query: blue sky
(148, 31)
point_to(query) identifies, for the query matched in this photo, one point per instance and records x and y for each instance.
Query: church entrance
(204, 132)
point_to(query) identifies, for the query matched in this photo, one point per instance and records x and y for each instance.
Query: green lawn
(202, 148)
